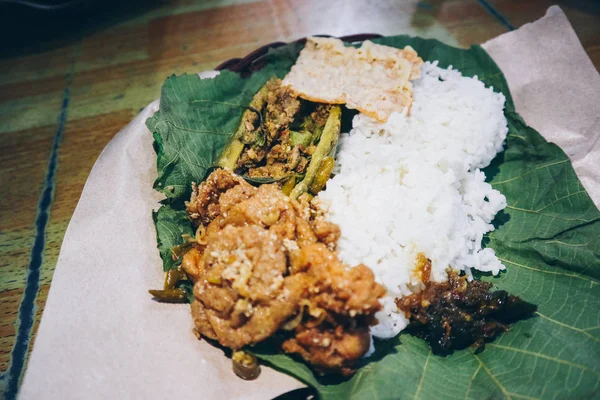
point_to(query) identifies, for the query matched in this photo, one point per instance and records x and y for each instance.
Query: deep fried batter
(329, 349)
(204, 206)
(340, 303)
(269, 266)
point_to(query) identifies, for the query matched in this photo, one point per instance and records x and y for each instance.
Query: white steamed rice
(413, 185)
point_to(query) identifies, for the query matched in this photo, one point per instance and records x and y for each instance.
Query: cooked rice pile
(413, 185)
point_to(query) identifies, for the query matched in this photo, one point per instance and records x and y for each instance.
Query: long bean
(233, 150)
(169, 295)
(328, 141)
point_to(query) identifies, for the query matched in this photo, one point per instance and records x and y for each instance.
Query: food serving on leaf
(315, 241)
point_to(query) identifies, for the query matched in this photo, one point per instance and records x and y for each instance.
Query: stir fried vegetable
(172, 277)
(245, 131)
(282, 139)
(322, 175)
(169, 295)
(245, 365)
(326, 146)
(173, 290)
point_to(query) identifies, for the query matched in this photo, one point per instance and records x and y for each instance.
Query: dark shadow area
(383, 348)
(587, 6)
(347, 117)
(43, 25)
(306, 393)
(492, 170)
(500, 219)
(272, 346)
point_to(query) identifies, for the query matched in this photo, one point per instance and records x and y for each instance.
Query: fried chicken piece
(341, 304)
(329, 349)
(242, 292)
(204, 206)
(326, 232)
(332, 286)
(267, 265)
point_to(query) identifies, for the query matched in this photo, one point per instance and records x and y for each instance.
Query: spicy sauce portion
(459, 313)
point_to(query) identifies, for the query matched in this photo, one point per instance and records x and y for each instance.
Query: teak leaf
(548, 237)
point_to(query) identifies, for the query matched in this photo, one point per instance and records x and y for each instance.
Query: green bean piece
(288, 186)
(322, 176)
(303, 138)
(179, 250)
(173, 276)
(232, 152)
(245, 365)
(328, 141)
(169, 295)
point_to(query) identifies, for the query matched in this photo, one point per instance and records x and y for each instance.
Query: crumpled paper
(556, 89)
(101, 335)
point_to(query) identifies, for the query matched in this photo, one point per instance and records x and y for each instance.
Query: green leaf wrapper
(548, 237)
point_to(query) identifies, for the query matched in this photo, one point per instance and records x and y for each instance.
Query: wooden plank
(9, 302)
(24, 158)
(584, 16)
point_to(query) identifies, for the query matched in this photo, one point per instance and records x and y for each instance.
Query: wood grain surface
(69, 85)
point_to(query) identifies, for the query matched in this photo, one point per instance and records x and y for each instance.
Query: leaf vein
(593, 281)
(580, 330)
(547, 215)
(494, 379)
(422, 376)
(559, 199)
(199, 130)
(471, 381)
(545, 357)
(530, 172)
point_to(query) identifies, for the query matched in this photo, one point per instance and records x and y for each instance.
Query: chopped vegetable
(245, 365)
(246, 133)
(322, 176)
(304, 138)
(178, 251)
(328, 141)
(172, 277)
(278, 136)
(169, 295)
(288, 186)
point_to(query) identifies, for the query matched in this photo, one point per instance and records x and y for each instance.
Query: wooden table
(69, 87)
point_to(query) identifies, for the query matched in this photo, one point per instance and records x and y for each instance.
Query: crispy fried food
(329, 349)
(329, 72)
(339, 304)
(204, 206)
(269, 267)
